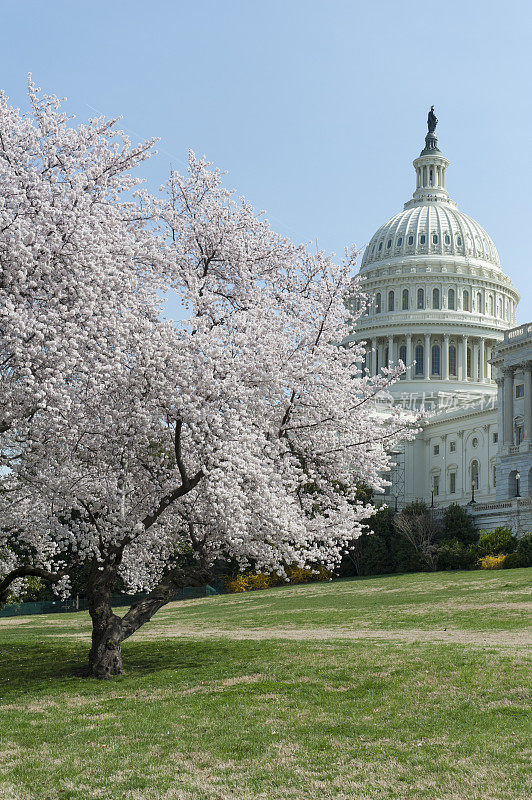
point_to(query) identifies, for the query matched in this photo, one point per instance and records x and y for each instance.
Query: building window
(520, 390)
(391, 301)
(372, 249)
(378, 303)
(420, 298)
(434, 238)
(491, 305)
(468, 362)
(450, 299)
(474, 474)
(436, 449)
(452, 360)
(479, 303)
(466, 301)
(452, 483)
(459, 241)
(389, 243)
(519, 434)
(436, 485)
(405, 299)
(452, 447)
(419, 359)
(410, 240)
(435, 298)
(400, 241)
(494, 475)
(475, 442)
(436, 359)
(380, 245)
(447, 239)
(402, 353)
(422, 239)
(495, 437)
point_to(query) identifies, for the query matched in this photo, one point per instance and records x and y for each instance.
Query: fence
(81, 604)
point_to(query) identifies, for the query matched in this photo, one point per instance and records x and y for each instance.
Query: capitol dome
(432, 229)
(438, 298)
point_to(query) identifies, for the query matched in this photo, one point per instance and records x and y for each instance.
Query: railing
(522, 330)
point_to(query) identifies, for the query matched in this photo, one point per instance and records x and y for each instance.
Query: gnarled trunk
(105, 658)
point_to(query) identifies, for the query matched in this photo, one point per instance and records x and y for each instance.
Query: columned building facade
(440, 303)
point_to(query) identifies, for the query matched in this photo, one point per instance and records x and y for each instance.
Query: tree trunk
(105, 658)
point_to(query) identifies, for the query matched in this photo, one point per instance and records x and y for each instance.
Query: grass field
(403, 687)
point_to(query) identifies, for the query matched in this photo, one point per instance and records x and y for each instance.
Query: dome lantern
(430, 168)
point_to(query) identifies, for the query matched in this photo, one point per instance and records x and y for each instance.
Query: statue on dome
(432, 120)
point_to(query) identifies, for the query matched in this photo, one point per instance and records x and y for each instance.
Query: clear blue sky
(315, 108)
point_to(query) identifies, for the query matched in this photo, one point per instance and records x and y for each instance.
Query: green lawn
(411, 686)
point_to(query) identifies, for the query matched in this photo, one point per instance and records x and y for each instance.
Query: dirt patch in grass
(451, 635)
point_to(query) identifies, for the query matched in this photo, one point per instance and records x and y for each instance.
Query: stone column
(409, 356)
(474, 363)
(445, 358)
(482, 376)
(390, 351)
(427, 355)
(374, 356)
(463, 376)
(508, 405)
(528, 403)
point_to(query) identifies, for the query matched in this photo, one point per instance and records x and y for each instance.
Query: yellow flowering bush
(251, 581)
(493, 562)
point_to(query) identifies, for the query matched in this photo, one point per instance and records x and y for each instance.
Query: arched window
(436, 369)
(480, 310)
(450, 299)
(399, 241)
(459, 241)
(422, 239)
(419, 359)
(434, 238)
(466, 300)
(410, 240)
(391, 301)
(378, 303)
(387, 357)
(435, 298)
(475, 473)
(447, 239)
(499, 308)
(380, 245)
(420, 298)
(405, 299)
(452, 360)
(402, 353)
(491, 305)
(468, 362)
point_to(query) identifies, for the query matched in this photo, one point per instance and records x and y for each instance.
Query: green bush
(458, 525)
(524, 548)
(514, 560)
(498, 541)
(453, 554)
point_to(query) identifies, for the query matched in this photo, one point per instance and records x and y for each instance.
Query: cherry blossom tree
(144, 450)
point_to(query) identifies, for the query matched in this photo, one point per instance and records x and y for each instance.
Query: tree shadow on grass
(30, 667)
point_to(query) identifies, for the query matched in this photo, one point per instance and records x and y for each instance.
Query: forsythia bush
(493, 562)
(250, 581)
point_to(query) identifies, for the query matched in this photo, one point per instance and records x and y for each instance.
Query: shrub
(514, 560)
(453, 554)
(458, 525)
(524, 548)
(252, 581)
(498, 541)
(493, 562)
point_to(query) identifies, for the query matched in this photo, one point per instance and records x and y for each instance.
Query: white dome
(431, 229)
